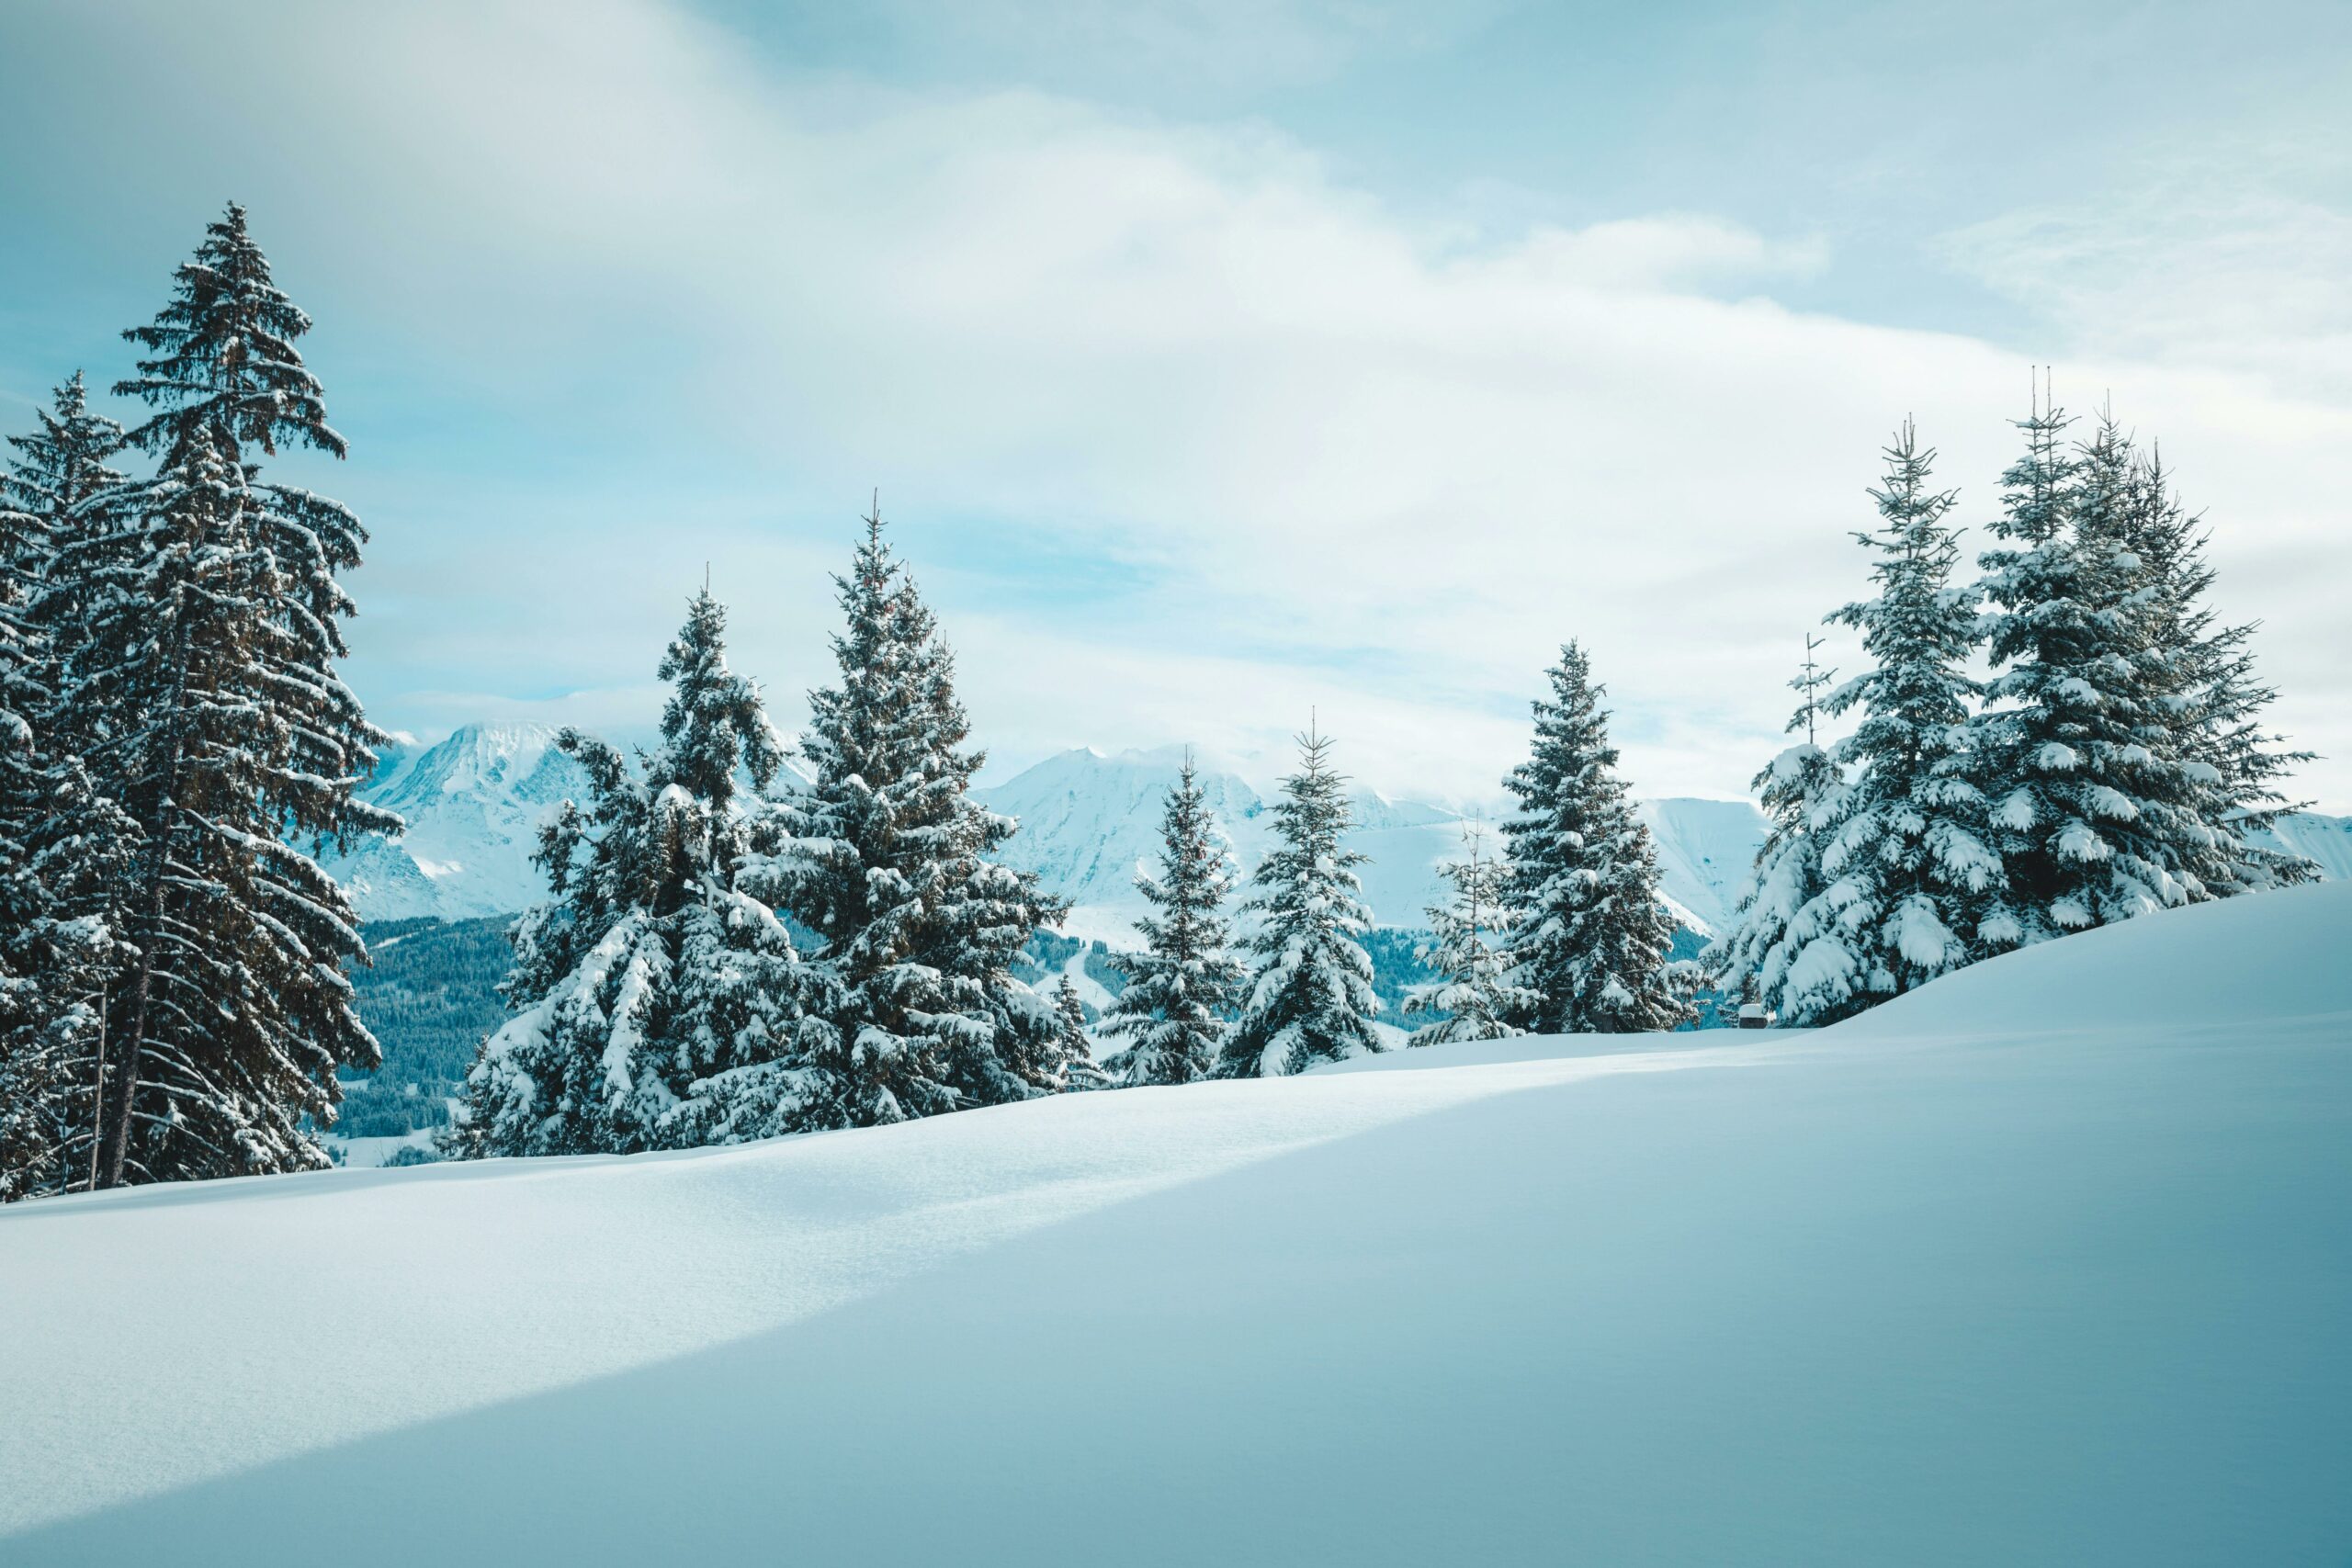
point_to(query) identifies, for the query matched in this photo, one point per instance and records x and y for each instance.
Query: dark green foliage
(1590, 948)
(430, 997)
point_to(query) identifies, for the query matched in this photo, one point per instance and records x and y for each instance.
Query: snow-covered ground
(2048, 1263)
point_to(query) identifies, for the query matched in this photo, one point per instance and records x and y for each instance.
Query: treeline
(174, 740)
(2069, 739)
(662, 1000)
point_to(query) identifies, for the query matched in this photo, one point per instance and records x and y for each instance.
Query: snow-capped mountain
(1088, 819)
(473, 804)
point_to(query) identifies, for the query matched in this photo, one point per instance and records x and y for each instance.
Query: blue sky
(1219, 361)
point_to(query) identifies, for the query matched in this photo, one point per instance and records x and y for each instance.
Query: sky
(1220, 364)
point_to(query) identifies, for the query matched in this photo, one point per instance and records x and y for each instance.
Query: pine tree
(1783, 949)
(199, 687)
(886, 863)
(1078, 1051)
(1591, 943)
(2210, 698)
(659, 1002)
(2096, 813)
(61, 844)
(1916, 890)
(1180, 988)
(1310, 998)
(1473, 998)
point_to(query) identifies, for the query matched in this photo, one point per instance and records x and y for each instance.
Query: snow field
(2048, 1262)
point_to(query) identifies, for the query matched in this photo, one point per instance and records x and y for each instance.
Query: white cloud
(1341, 460)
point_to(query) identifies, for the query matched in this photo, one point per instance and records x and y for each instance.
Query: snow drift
(2048, 1262)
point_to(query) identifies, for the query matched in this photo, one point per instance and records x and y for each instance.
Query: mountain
(2326, 840)
(475, 801)
(473, 805)
(1089, 819)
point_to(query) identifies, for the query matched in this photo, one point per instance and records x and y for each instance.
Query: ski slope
(2050, 1262)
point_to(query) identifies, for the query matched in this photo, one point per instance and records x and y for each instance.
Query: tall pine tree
(199, 687)
(1180, 988)
(2096, 811)
(1916, 890)
(1783, 949)
(887, 864)
(2209, 695)
(62, 845)
(1473, 998)
(659, 1002)
(1309, 999)
(1591, 949)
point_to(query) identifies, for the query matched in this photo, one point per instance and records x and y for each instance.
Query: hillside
(2047, 1263)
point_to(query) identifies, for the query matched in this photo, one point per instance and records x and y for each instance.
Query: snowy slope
(1705, 850)
(1087, 820)
(2048, 1262)
(473, 805)
(2326, 840)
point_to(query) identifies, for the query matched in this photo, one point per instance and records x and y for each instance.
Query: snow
(2048, 1262)
(1087, 820)
(473, 805)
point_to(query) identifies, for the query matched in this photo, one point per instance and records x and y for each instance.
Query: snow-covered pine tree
(2096, 815)
(1181, 986)
(1915, 887)
(1078, 1051)
(659, 1002)
(886, 863)
(200, 689)
(1472, 999)
(1762, 956)
(1591, 948)
(61, 845)
(1310, 998)
(2210, 697)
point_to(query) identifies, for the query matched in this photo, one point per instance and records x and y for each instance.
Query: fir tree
(1783, 949)
(199, 687)
(1473, 998)
(1078, 1051)
(886, 863)
(2211, 699)
(1589, 951)
(659, 1002)
(61, 844)
(2095, 812)
(1310, 998)
(1180, 988)
(1914, 888)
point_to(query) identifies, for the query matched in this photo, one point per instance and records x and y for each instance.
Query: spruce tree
(199, 687)
(1783, 948)
(1078, 1052)
(61, 844)
(1916, 889)
(1180, 988)
(2096, 811)
(1310, 998)
(886, 862)
(2210, 698)
(1473, 998)
(659, 1002)
(1591, 949)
